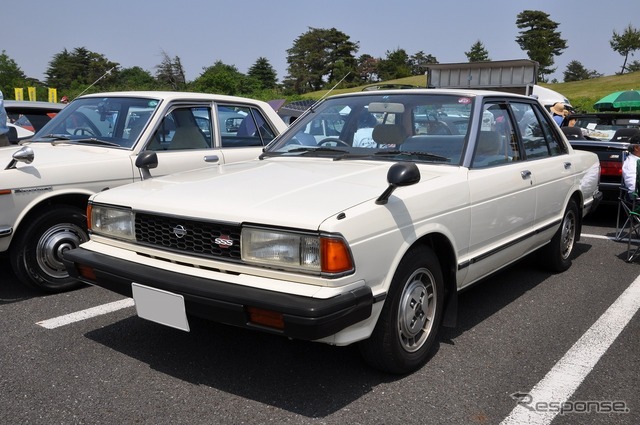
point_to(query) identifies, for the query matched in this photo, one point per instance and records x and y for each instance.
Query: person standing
(557, 112)
(630, 164)
(4, 129)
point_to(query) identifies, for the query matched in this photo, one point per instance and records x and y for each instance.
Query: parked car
(28, 117)
(606, 134)
(342, 244)
(92, 145)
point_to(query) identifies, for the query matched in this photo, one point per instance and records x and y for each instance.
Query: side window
(538, 138)
(497, 141)
(242, 126)
(184, 128)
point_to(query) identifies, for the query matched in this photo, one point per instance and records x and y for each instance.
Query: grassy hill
(582, 94)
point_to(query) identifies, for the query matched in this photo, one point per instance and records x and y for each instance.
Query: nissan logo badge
(180, 231)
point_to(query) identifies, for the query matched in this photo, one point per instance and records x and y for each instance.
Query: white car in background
(338, 243)
(91, 145)
(25, 118)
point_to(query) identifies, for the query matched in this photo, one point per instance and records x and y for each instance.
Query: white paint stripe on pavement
(565, 377)
(86, 314)
(589, 235)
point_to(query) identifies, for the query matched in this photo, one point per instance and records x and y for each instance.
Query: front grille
(189, 236)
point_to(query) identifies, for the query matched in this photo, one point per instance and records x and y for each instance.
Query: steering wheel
(333, 141)
(84, 131)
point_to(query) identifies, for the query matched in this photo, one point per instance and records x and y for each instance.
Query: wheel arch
(78, 200)
(578, 198)
(445, 252)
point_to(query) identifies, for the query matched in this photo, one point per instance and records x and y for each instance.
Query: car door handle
(567, 165)
(526, 174)
(211, 158)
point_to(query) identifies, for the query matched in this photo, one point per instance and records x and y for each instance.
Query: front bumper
(304, 318)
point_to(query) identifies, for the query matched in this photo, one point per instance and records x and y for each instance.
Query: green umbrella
(628, 100)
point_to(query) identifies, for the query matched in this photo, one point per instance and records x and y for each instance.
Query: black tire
(410, 319)
(556, 255)
(36, 253)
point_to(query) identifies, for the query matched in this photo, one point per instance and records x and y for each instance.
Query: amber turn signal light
(268, 318)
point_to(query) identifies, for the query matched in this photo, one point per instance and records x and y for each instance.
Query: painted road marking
(67, 319)
(569, 372)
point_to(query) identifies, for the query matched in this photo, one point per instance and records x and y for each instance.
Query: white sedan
(92, 145)
(341, 244)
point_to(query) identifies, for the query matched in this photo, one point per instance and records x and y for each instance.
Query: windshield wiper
(56, 137)
(318, 149)
(419, 154)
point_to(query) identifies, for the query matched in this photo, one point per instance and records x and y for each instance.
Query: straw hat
(558, 108)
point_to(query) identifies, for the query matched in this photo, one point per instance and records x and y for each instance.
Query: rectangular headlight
(112, 222)
(299, 251)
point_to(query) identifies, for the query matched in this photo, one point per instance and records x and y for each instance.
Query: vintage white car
(92, 145)
(341, 244)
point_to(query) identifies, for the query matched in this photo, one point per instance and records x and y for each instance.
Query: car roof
(29, 104)
(174, 95)
(424, 90)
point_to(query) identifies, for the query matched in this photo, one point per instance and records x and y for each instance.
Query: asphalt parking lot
(530, 347)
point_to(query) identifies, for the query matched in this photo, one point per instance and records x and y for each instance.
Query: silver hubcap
(417, 310)
(568, 235)
(52, 245)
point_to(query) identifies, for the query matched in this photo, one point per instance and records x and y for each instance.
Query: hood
(62, 163)
(286, 192)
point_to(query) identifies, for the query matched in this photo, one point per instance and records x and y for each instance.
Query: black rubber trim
(304, 318)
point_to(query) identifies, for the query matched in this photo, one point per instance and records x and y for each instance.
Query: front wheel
(408, 325)
(556, 255)
(36, 254)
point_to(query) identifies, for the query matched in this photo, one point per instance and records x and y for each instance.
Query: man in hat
(557, 112)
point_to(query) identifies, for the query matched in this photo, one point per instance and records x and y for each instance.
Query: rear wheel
(408, 325)
(36, 254)
(556, 255)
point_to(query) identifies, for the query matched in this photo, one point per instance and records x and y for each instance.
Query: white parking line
(86, 314)
(588, 235)
(567, 374)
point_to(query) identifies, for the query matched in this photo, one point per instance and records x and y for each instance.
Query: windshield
(423, 127)
(105, 121)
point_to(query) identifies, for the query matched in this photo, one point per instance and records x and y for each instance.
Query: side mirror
(145, 161)
(24, 154)
(400, 174)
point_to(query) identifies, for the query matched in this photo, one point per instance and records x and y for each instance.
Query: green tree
(135, 78)
(625, 44)
(11, 76)
(366, 69)
(477, 53)
(222, 79)
(170, 73)
(576, 72)
(76, 71)
(633, 66)
(320, 56)
(264, 74)
(396, 65)
(540, 39)
(420, 61)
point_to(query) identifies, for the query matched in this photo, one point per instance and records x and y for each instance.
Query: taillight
(611, 168)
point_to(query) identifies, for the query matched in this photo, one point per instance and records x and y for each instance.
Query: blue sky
(201, 32)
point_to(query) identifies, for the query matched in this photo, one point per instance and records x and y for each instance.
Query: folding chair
(629, 203)
(633, 232)
(624, 206)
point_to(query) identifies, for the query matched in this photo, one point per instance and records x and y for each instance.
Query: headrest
(388, 134)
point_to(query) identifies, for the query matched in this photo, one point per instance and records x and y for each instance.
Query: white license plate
(160, 306)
